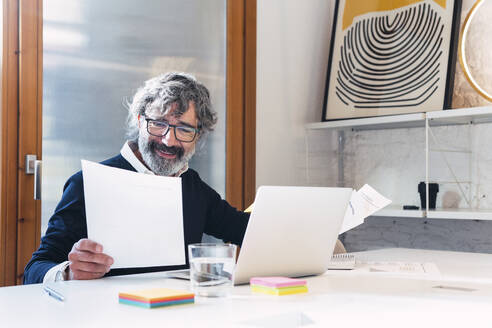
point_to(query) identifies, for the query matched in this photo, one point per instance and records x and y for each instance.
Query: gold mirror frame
(462, 52)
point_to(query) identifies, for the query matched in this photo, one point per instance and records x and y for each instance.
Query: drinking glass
(212, 268)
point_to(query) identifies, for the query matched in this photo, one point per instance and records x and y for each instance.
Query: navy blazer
(203, 211)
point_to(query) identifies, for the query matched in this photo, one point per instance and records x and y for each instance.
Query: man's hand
(87, 261)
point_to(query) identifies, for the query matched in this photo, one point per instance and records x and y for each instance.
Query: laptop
(292, 231)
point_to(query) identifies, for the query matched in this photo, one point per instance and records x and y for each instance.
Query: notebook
(342, 262)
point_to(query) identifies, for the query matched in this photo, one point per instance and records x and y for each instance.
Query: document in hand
(363, 203)
(138, 218)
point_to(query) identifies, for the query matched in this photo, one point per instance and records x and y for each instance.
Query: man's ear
(138, 119)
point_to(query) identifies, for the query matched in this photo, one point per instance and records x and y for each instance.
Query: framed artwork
(391, 57)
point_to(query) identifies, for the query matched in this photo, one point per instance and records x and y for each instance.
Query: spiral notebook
(342, 262)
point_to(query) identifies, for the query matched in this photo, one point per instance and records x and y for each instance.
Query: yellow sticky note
(279, 291)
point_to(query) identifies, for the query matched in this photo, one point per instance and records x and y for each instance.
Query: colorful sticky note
(279, 291)
(156, 297)
(278, 285)
(277, 282)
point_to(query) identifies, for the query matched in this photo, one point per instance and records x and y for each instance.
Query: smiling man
(167, 118)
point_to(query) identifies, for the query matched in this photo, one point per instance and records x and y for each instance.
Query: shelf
(460, 213)
(372, 123)
(398, 211)
(474, 115)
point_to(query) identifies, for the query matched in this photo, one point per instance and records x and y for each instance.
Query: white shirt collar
(129, 155)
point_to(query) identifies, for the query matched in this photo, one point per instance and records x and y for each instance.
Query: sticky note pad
(279, 291)
(278, 285)
(277, 282)
(156, 297)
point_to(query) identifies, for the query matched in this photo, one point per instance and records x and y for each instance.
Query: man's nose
(170, 138)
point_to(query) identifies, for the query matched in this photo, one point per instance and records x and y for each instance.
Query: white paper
(138, 218)
(362, 204)
(400, 267)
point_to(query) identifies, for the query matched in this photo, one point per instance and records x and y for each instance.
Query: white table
(354, 298)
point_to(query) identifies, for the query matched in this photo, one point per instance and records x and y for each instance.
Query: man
(168, 116)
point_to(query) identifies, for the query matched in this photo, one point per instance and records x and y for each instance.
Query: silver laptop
(292, 231)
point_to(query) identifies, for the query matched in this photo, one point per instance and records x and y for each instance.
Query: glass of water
(212, 268)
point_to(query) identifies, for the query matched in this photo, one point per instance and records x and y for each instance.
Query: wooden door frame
(241, 103)
(8, 160)
(30, 128)
(20, 220)
(249, 150)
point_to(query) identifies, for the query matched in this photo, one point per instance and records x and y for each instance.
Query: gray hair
(166, 90)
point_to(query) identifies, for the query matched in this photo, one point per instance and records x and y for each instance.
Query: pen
(53, 293)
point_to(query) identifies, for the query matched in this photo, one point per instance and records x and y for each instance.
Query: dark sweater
(203, 211)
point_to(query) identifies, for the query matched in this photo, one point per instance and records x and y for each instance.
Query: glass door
(95, 56)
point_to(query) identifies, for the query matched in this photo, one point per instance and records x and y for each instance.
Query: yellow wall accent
(354, 8)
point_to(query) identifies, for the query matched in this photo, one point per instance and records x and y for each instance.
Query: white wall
(292, 54)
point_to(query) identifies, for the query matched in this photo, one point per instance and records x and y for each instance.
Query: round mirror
(475, 48)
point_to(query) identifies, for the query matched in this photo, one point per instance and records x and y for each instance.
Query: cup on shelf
(433, 190)
(212, 268)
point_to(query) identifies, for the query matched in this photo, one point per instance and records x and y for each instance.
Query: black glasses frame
(169, 126)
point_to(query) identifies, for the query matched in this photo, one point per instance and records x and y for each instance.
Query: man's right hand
(87, 261)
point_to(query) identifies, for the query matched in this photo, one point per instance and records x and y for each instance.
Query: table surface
(461, 295)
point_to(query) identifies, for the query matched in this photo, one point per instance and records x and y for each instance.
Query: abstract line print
(390, 57)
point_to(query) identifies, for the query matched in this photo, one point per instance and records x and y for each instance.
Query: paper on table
(138, 218)
(400, 267)
(362, 204)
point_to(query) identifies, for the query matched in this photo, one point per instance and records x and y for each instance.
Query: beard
(159, 165)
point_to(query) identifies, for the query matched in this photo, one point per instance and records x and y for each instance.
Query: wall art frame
(391, 57)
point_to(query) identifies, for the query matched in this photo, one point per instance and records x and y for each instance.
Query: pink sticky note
(276, 282)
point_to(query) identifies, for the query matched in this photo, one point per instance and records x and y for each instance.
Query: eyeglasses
(161, 128)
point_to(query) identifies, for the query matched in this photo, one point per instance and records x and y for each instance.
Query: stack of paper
(278, 285)
(114, 198)
(155, 297)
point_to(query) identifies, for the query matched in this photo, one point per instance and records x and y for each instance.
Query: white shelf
(369, 123)
(460, 213)
(398, 211)
(474, 115)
